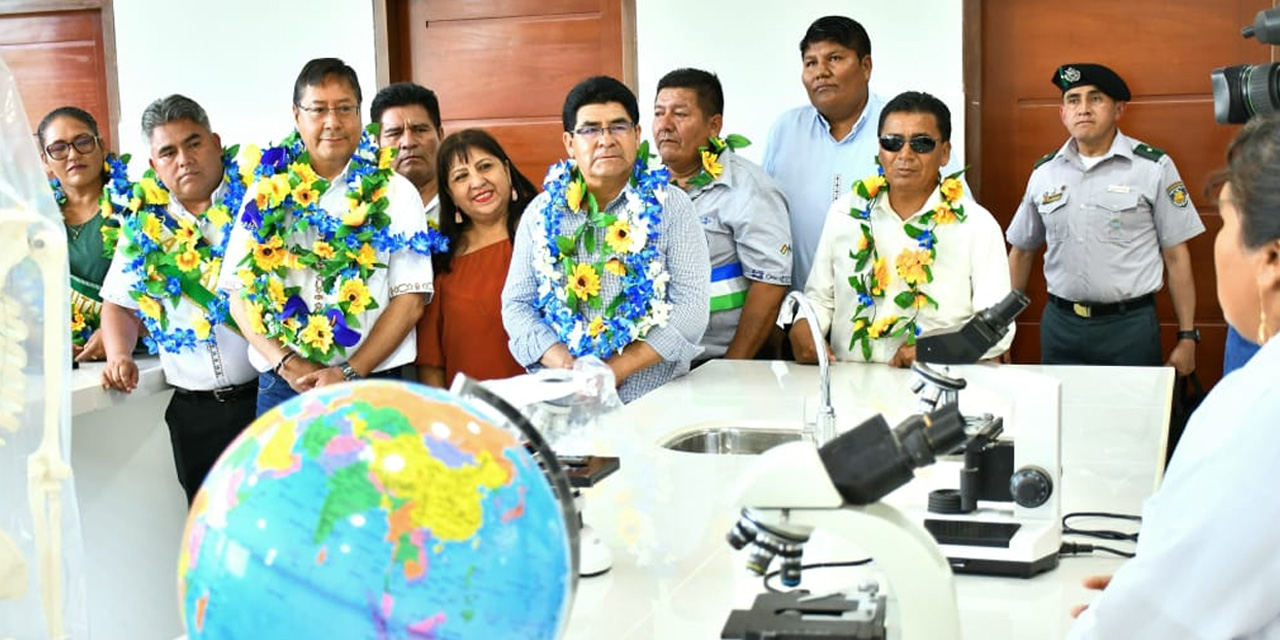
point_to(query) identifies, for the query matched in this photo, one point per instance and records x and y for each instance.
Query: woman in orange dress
(482, 196)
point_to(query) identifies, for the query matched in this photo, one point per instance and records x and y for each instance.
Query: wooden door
(59, 57)
(506, 65)
(1165, 50)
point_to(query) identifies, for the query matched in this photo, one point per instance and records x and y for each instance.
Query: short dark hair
(1253, 164)
(317, 71)
(843, 31)
(704, 84)
(458, 146)
(404, 94)
(919, 102)
(68, 111)
(598, 90)
(171, 109)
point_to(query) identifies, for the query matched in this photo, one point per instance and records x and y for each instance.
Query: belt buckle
(223, 394)
(1081, 310)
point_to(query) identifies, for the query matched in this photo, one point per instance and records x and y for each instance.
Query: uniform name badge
(1050, 197)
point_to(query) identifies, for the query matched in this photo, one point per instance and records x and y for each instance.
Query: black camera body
(1243, 91)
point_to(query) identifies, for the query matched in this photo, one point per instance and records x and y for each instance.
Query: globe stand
(594, 556)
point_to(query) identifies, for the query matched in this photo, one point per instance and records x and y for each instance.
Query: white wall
(237, 58)
(753, 46)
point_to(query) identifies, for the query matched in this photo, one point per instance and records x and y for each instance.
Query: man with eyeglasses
(1115, 215)
(204, 359)
(409, 118)
(609, 260)
(326, 268)
(741, 209)
(906, 250)
(818, 150)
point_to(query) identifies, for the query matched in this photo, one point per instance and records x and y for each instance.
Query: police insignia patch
(1178, 194)
(1070, 74)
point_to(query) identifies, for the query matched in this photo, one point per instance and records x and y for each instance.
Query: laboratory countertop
(87, 394)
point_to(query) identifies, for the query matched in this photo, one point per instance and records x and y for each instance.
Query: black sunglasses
(83, 143)
(919, 144)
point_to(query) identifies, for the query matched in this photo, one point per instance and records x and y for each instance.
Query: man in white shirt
(409, 118)
(186, 214)
(903, 252)
(328, 267)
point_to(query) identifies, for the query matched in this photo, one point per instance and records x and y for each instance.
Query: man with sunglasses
(1115, 215)
(350, 314)
(741, 209)
(904, 252)
(609, 260)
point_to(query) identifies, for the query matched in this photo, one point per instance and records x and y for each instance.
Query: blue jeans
(273, 390)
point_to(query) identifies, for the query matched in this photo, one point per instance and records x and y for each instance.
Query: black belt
(221, 394)
(1091, 310)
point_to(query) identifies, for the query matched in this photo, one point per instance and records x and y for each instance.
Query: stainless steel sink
(729, 440)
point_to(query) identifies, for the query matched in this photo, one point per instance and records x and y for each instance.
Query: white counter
(664, 514)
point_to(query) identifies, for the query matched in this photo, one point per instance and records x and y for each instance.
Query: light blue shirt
(814, 169)
(1208, 556)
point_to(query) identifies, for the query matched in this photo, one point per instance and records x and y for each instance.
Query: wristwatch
(347, 371)
(1190, 334)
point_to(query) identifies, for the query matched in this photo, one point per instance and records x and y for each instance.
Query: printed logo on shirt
(1178, 194)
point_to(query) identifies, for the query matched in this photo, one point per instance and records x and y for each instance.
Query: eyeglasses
(919, 144)
(319, 113)
(83, 143)
(615, 129)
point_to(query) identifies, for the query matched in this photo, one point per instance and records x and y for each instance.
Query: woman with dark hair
(73, 154)
(482, 196)
(1208, 558)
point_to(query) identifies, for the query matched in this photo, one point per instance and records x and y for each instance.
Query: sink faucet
(825, 429)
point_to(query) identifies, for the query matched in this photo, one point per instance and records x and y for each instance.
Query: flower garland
(569, 282)
(344, 257)
(711, 167)
(171, 259)
(871, 275)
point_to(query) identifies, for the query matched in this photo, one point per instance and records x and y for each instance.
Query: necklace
(73, 230)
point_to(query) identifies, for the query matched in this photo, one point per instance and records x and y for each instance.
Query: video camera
(1243, 91)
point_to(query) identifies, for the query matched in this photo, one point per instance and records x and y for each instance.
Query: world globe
(376, 510)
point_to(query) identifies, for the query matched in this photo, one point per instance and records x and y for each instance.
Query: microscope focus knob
(1031, 487)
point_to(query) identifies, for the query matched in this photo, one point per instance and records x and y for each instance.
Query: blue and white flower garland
(568, 283)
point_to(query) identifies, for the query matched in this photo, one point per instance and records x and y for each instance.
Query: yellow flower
(290, 323)
(201, 326)
(304, 172)
(186, 235)
(77, 321)
(355, 216)
(150, 306)
(379, 194)
(881, 272)
(711, 164)
(920, 301)
(874, 185)
(250, 156)
(911, 263)
(573, 194)
(862, 243)
(187, 260)
(218, 215)
(367, 257)
(246, 276)
(280, 188)
(153, 193)
(596, 326)
(584, 282)
(291, 261)
(355, 294)
(304, 195)
(153, 228)
(615, 267)
(859, 323)
(952, 189)
(255, 318)
(270, 255)
(104, 207)
(323, 250)
(881, 326)
(618, 237)
(384, 157)
(942, 214)
(134, 205)
(318, 334)
(275, 290)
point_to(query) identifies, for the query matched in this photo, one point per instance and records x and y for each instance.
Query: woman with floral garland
(482, 195)
(74, 155)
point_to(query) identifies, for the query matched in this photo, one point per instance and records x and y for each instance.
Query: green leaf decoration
(735, 141)
(912, 230)
(571, 299)
(566, 246)
(904, 299)
(592, 206)
(589, 240)
(866, 349)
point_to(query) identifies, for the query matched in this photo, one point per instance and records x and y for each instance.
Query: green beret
(1070, 76)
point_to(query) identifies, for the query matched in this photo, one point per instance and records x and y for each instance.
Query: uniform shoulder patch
(1178, 194)
(1045, 158)
(1147, 151)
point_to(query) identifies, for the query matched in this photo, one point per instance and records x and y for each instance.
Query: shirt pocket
(1054, 216)
(1117, 218)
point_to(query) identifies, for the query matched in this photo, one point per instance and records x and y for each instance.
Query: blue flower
(274, 160)
(252, 217)
(173, 286)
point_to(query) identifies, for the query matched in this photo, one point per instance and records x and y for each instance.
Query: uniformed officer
(1115, 215)
(742, 211)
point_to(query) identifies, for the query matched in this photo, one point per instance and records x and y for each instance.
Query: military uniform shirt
(744, 216)
(1105, 226)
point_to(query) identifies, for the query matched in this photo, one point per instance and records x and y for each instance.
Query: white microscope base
(594, 556)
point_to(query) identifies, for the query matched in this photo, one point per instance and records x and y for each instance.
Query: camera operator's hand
(1097, 583)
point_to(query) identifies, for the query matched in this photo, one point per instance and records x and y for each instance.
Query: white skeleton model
(30, 235)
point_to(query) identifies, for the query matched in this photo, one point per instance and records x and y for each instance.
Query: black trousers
(200, 428)
(1129, 339)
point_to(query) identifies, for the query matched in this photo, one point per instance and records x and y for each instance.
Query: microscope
(795, 488)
